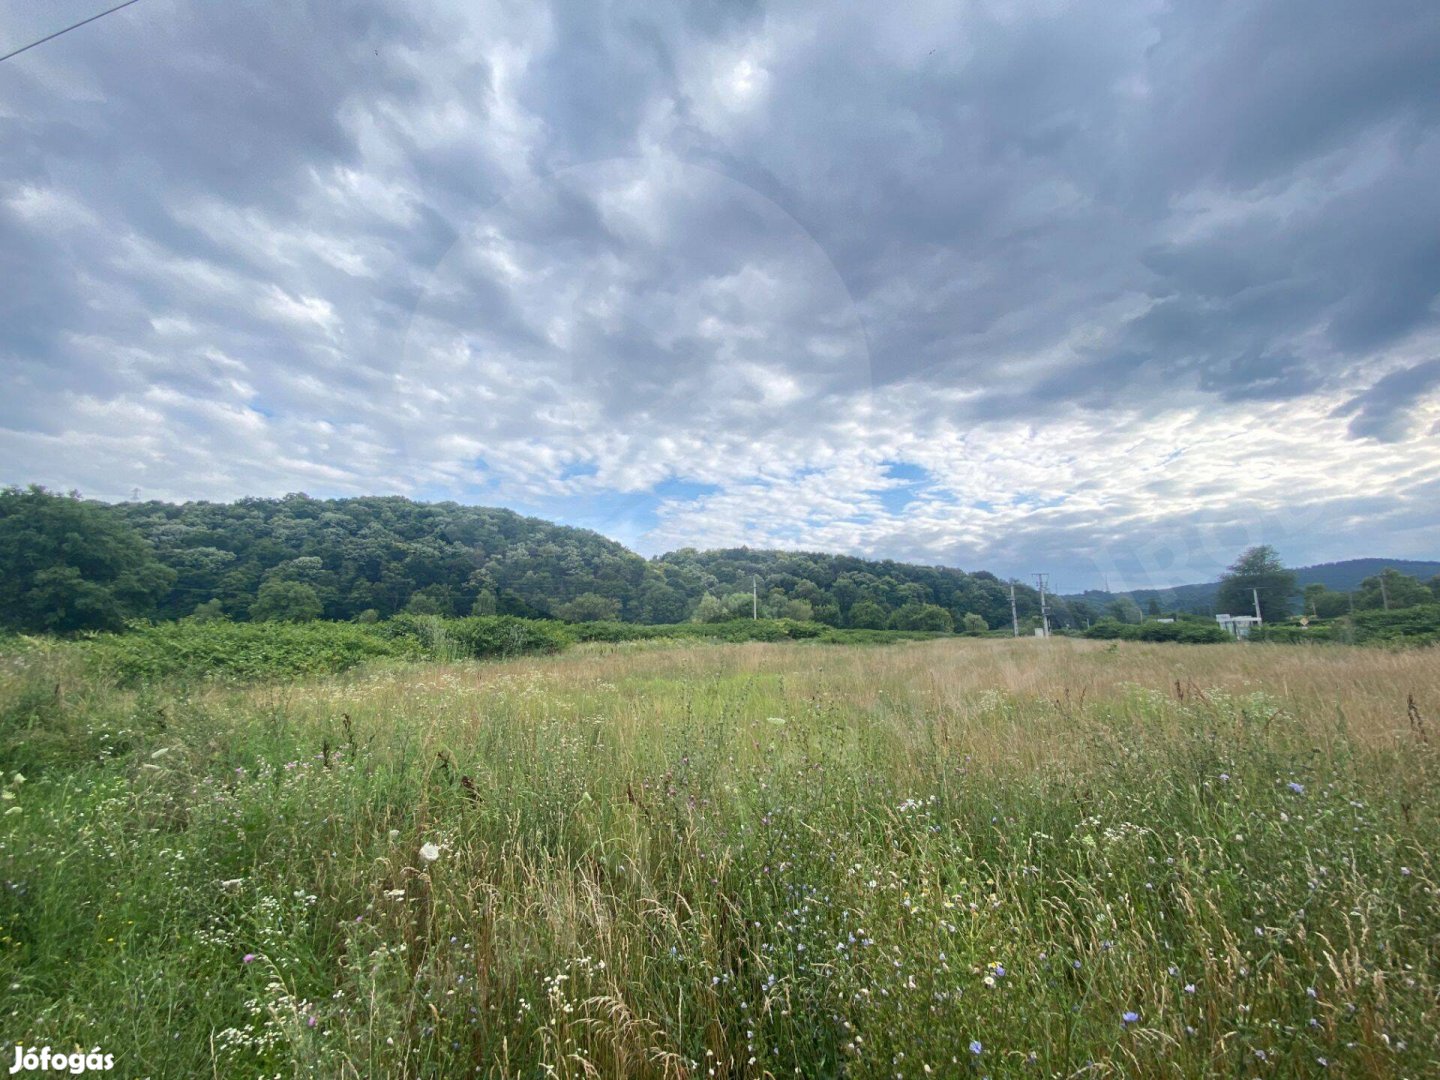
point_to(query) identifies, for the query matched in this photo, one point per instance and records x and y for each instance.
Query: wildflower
(1298, 789)
(976, 1048)
(248, 958)
(1189, 988)
(1129, 1017)
(429, 852)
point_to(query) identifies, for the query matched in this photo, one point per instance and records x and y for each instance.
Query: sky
(1106, 289)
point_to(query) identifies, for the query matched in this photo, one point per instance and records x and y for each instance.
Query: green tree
(286, 601)
(1257, 569)
(913, 616)
(867, 615)
(1393, 590)
(210, 611)
(1325, 603)
(68, 565)
(799, 610)
(972, 623)
(588, 607)
(739, 605)
(1124, 609)
(709, 610)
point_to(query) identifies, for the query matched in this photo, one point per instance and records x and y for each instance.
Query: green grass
(238, 653)
(728, 860)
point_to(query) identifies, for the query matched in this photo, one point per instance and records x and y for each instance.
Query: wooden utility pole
(754, 598)
(1014, 614)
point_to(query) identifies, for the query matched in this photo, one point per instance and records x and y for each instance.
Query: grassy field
(669, 859)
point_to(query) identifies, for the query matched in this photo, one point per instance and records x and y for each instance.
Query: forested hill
(381, 554)
(67, 564)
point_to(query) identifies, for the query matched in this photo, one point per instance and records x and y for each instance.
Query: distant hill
(370, 558)
(1341, 576)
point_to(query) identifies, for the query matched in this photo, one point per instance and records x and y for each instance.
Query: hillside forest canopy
(70, 564)
(74, 564)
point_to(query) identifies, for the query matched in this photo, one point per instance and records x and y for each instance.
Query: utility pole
(754, 598)
(1044, 611)
(1384, 593)
(1014, 614)
(1256, 593)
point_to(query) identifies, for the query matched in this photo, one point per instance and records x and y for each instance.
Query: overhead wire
(73, 26)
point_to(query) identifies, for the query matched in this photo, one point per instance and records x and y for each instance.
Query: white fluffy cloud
(1096, 288)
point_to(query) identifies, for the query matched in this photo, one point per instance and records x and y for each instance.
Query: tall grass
(952, 858)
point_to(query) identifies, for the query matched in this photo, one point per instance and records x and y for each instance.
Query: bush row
(240, 652)
(1418, 625)
(1189, 633)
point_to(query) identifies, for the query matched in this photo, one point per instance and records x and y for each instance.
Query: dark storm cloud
(1383, 411)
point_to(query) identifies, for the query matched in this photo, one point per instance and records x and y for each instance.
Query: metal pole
(1014, 614)
(1256, 593)
(754, 598)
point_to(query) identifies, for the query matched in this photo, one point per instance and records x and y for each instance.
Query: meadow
(671, 858)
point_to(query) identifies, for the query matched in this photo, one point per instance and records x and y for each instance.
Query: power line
(74, 26)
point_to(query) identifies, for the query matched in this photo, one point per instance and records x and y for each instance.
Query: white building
(1237, 625)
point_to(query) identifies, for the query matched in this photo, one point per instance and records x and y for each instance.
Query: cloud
(1387, 410)
(1108, 287)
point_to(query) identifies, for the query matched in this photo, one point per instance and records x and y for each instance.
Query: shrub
(237, 651)
(1112, 629)
(477, 636)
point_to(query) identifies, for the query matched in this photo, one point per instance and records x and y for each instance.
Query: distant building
(1237, 625)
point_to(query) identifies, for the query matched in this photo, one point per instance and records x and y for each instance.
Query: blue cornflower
(1129, 1017)
(976, 1047)
(1299, 789)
